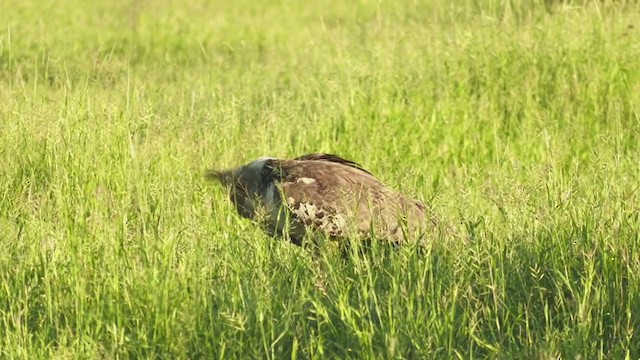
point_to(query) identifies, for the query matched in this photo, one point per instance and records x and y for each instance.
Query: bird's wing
(338, 199)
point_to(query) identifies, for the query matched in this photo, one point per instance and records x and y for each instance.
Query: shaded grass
(518, 122)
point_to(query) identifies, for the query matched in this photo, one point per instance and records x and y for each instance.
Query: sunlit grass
(517, 122)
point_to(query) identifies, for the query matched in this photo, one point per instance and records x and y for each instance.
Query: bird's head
(246, 183)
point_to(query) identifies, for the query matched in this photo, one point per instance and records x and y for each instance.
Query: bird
(322, 194)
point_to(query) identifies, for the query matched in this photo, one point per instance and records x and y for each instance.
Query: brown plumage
(323, 194)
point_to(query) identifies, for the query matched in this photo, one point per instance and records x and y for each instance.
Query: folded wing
(339, 198)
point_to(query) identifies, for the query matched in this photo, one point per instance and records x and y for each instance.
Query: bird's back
(360, 201)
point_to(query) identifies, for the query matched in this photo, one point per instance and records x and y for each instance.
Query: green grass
(517, 120)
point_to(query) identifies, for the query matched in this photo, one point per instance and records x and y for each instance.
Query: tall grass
(517, 120)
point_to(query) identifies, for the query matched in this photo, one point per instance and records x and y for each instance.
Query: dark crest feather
(223, 176)
(332, 158)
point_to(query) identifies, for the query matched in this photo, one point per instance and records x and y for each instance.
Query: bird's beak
(225, 177)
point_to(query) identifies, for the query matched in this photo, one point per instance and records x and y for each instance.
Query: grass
(516, 120)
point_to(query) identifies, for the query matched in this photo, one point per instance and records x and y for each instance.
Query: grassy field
(518, 121)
